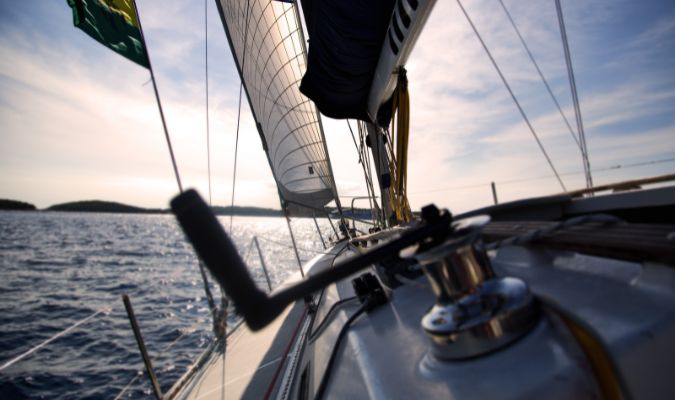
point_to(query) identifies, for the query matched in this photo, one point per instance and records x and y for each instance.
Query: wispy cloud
(87, 122)
(78, 118)
(468, 131)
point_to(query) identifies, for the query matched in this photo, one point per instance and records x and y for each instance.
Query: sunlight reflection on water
(58, 268)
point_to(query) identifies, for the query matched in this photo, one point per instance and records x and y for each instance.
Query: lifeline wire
(51, 339)
(224, 299)
(139, 372)
(513, 96)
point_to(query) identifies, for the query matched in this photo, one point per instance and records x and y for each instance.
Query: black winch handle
(220, 256)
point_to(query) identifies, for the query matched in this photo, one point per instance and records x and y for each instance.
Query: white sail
(267, 43)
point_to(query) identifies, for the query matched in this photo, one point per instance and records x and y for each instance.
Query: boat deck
(249, 370)
(254, 362)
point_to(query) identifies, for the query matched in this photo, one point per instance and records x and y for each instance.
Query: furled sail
(355, 52)
(346, 39)
(267, 43)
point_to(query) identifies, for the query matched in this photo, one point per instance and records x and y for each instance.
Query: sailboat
(565, 296)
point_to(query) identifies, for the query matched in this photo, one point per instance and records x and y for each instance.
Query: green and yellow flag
(113, 23)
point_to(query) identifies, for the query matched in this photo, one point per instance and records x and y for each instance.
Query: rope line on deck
(535, 234)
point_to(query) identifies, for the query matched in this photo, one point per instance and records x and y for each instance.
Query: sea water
(58, 269)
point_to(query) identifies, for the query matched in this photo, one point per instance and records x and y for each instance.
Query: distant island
(114, 207)
(102, 206)
(6, 204)
(247, 211)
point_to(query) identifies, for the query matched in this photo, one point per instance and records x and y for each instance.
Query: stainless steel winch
(476, 312)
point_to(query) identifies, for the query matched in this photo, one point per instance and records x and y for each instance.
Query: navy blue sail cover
(345, 40)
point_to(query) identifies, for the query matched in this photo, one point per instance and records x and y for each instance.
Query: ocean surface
(58, 270)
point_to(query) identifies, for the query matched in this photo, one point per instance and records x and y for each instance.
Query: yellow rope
(604, 368)
(399, 163)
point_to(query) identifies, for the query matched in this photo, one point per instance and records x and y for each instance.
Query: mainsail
(267, 43)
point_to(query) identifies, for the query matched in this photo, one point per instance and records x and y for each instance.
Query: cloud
(466, 131)
(77, 120)
(92, 123)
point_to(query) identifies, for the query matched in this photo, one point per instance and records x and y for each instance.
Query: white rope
(51, 339)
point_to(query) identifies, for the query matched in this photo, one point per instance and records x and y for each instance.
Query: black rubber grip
(220, 256)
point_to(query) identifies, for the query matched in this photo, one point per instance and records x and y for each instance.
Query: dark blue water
(57, 269)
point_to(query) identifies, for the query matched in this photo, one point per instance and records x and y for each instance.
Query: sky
(78, 121)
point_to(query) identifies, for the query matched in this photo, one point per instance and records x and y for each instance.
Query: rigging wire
(236, 151)
(543, 78)
(381, 217)
(371, 196)
(513, 96)
(168, 138)
(206, 74)
(573, 89)
(236, 142)
(207, 289)
(159, 103)
(224, 299)
(610, 168)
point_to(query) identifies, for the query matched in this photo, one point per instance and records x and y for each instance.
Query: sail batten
(266, 41)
